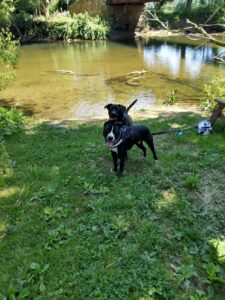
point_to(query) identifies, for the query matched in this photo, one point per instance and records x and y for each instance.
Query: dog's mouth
(109, 143)
(113, 118)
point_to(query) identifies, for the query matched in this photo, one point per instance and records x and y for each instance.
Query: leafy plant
(8, 57)
(58, 236)
(11, 120)
(192, 182)
(32, 286)
(212, 92)
(213, 271)
(80, 26)
(171, 99)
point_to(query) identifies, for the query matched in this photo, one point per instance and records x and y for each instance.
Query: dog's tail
(129, 107)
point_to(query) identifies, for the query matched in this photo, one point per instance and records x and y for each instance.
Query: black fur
(119, 113)
(125, 137)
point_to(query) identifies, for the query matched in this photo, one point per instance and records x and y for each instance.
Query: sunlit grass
(8, 192)
(73, 230)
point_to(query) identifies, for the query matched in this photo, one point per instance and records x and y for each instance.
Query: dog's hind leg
(142, 147)
(150, 143)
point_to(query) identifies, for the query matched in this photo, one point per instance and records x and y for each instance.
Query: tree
(189, 4)
(9, 50)
(6, 9)
(46, 4)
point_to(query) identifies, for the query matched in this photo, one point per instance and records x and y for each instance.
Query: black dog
(120, 139)
(119, 113)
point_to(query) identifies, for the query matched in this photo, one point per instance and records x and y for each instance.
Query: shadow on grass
(69, 228)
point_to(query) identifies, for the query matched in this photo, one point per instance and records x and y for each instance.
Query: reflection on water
(103, 72)
(179, 59)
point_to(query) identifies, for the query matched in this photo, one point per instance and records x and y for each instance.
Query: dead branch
(165, 26)
(219, 58)
(211, 38)
(197, 27)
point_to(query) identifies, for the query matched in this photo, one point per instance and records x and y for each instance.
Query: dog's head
(111, 132)
(116, 111)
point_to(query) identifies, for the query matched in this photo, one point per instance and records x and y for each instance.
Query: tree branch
(194, 26)
(215, 12)
(211, 38)
(218, 58)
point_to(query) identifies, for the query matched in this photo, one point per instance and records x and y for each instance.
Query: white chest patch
(114, 149)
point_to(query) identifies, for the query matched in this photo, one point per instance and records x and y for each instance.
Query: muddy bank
(161, 111)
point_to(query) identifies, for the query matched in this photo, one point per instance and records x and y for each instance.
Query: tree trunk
(189, 4)
(46, 8)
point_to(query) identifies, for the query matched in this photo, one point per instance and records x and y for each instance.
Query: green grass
(70, 229)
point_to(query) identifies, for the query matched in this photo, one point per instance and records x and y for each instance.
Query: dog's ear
(108, 106)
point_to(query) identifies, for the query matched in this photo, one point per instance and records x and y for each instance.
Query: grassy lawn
(70, 229)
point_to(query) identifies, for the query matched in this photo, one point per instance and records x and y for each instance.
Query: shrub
(11, 120)
(212, 92)
(62, 27)
(91, 28)
(8, 57)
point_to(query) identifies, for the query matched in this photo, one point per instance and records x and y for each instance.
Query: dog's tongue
(109, 143)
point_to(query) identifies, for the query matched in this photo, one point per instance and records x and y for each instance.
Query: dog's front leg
(114, 156)
(122, 161)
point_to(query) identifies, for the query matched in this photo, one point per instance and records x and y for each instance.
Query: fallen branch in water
(67, 72)
(218, 58)
(142, 72)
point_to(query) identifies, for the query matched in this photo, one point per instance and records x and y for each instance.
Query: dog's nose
(113, 115)
(109, 138)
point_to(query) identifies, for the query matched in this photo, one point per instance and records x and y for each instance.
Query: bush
(63, 28)
(212, 92)
(91, 28)
(9, 51)
(175, 13)
(11, 121)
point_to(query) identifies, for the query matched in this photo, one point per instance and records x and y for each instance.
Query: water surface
(105, 71)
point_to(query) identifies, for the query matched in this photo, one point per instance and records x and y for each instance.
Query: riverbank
(69, 228)
(161, 33)
(161, 111)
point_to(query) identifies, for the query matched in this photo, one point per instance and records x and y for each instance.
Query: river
(76, 80)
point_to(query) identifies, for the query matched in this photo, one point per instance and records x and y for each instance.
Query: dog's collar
(117, 142)
(116, 145)
(116, 120)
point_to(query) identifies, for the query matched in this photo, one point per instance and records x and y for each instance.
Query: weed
(192, 182)
(171, 99)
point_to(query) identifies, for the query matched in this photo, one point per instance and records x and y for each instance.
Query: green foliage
(62, 28)
(9, 51)
(61, 5)
(171, 98)
(192, 182)
(11, 121)
(212, 92)
(175, 12)
(6, 10)
(91, 28)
